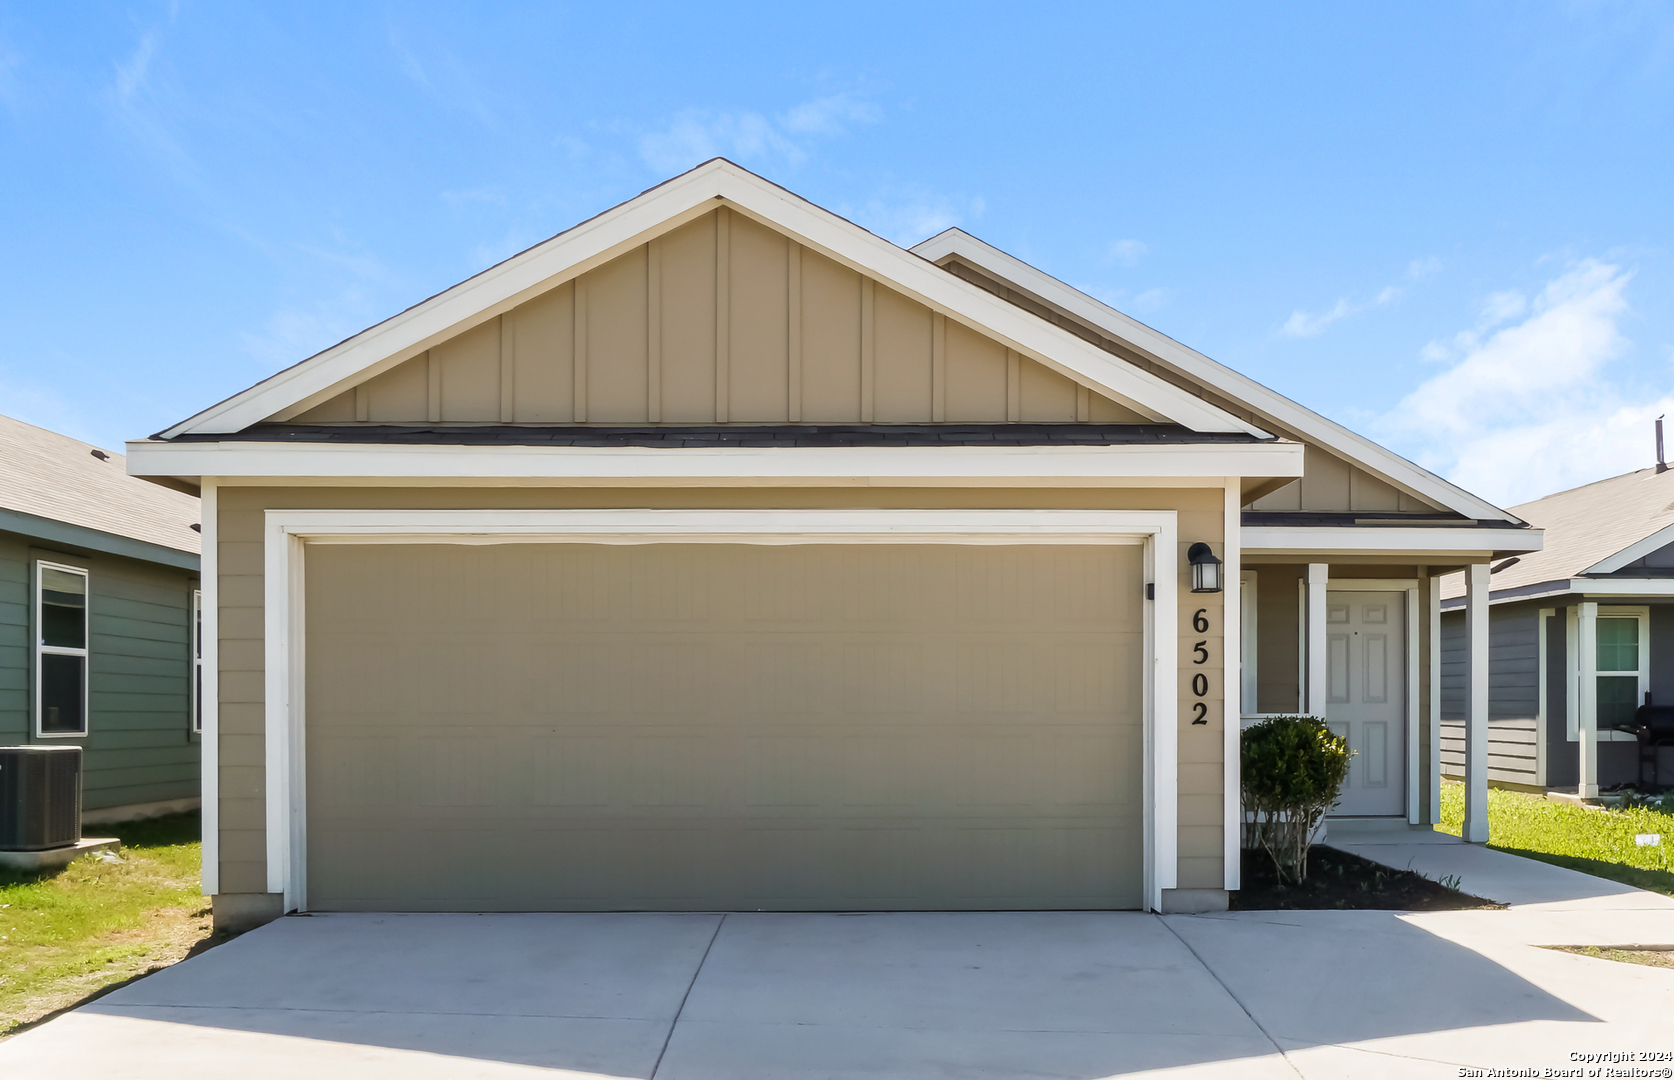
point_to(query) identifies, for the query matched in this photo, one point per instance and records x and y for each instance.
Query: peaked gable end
(721, 320)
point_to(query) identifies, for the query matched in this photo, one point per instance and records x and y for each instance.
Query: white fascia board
(1576, 588)
(1446, 540)
(1265, 403)
(1596, 587)
(666, 207)
(561, 464)
(1633, 552)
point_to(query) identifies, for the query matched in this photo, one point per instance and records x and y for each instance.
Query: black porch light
(1206, 569)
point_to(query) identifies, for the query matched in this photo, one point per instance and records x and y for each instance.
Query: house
(98, 610)
(719, 554)
(1601, 590)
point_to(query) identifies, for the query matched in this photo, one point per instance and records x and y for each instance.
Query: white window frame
(1643, 614)
(85, 652)
(194, 719)
(287, 532)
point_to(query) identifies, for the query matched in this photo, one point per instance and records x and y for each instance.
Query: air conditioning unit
(40, 797)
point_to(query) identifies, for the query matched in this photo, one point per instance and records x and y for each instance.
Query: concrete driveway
(1073, 995)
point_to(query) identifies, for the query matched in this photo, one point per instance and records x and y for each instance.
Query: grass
(67, 936)
(1598, 842)
(1662, 958)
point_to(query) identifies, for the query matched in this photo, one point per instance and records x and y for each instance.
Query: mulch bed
(1338, 880)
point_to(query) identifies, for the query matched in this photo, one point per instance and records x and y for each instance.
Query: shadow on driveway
(1053, 994)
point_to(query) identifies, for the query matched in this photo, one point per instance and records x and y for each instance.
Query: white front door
(1366, 697)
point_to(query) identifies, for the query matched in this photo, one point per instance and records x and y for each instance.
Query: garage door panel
(576, 727)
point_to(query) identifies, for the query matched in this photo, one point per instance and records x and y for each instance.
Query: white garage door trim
(286, 532)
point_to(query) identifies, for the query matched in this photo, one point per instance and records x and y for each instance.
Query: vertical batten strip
(654, 331)
(867, 358)
(938, 367)
(363, 403)
(723, 314)
(578, 351)
(508, 370)
(1083, 404)
(793, 334)
(432, 388)
(1014, 387)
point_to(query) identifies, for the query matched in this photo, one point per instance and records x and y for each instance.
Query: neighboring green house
(98, 616)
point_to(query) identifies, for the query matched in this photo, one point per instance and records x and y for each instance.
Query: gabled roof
(662, 209)
(1268, 407)
(1597, 528)
(54, 478)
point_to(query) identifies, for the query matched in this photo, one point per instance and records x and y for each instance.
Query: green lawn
(68, 935)
(1598, 842)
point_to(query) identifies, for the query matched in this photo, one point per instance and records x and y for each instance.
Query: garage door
(559, 727)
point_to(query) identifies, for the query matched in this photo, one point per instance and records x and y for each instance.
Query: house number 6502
(1200, 681)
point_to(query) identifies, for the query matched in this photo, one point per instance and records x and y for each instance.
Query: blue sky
(1445, 225)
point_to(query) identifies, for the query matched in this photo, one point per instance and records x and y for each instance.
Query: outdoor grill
(1654, 727)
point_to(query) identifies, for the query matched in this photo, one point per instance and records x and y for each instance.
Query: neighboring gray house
(1580, 632)
(98, 609)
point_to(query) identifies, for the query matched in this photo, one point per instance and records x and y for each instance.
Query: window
(197, 660)
(60, 650)
(1623, 664)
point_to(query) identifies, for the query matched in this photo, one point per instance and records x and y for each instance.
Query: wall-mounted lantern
(1206, 569)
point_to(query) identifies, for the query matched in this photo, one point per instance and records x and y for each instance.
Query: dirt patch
(1625, 954)
(1338, 880)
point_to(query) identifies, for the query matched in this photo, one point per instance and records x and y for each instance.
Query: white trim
(1232, 618)
(1249, 657)
(1395, 540)
(1434, 764)
(1633, 552)
(1611, 587)
(567, 464)
(1587, 699)
(209, 742)
(1572, 671)
(1319, 582)
(1413, 714)
(285, 532)
(1542, 673)
(641, 219)
(40, 649)
(1267, 404)
(1475, 830)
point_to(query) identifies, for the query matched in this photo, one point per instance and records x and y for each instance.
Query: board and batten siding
(243, 867)
(140, 747)
(1513, 694)
(722, 320)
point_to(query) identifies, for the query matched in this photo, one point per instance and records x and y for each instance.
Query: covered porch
(1343, 622)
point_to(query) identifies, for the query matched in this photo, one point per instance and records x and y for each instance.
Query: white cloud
(1424, 269)
(696, 135)
(906, 217)
(132, 72)
(1126, 252)
(1152, 298)
(1530, 409)
(1302, 324)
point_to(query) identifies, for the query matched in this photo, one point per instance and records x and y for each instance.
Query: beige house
(718, 554)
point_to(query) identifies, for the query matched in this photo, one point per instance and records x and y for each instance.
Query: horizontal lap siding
(1513, 693)
(139, 746)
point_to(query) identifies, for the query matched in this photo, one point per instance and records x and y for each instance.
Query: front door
(1366, 698)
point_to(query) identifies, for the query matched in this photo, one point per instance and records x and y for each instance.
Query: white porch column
(1319, 576)
(1586, 692)
(1476, 708)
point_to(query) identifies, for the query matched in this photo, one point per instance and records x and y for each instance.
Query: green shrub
(1293, 769)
